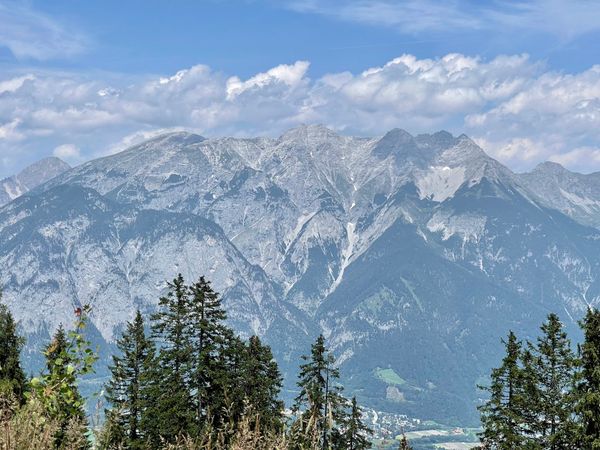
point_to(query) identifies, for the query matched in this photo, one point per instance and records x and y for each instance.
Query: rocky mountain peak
(31, 177)
(309, 133)
(550, 167)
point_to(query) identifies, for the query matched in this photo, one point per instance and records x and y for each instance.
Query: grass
(389, 376)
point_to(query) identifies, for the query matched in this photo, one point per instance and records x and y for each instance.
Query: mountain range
(413, 255)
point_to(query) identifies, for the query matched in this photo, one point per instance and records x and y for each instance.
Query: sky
(80, 80)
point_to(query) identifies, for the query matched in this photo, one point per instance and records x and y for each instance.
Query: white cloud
(580, 159)
(12, 84)
(563, 18)
(30, 34)
(67, 151)
(9, 131)
(290, 75)
(518, 110)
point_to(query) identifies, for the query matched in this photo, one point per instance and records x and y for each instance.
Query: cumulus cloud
(67, 151)
(520, 112)
(29, 34)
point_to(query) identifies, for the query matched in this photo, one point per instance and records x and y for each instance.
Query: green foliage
(213, 348)
(12, 378)
(172, 412)
(261, 384)
(356, 434)
(68, 358)
(127, 389)
(538, 397)
(551, 399)
(320, 406)
(502, 416)
(204, 377)
(588, 387)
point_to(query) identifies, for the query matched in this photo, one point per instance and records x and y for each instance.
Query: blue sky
(84, 79)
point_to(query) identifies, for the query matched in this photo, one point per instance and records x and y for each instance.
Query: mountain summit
(31, 177)
(411, 254)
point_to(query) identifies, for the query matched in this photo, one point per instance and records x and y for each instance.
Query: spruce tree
(502, 414)
(172, 413)
(551, 405)
(588, 386)
(355, 436)
(208, 337)
(12, 377)
(126, 390)
(261, 384)
(320, 404)
(224, 399)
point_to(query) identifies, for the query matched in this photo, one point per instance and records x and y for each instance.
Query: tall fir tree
(502, 414)
(208, 336)
(12, 377)
(551, 405)
(320, 405)
(356, 433)
(588, 386)
(127, 389)
(172, 413)
(261, 384)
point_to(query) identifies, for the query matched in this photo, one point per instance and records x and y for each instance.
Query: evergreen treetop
(12, 377)
(126, 391)
(356, 433)
(502, 414)
(588, 387)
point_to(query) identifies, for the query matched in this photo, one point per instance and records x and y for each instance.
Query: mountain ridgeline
(412, 255)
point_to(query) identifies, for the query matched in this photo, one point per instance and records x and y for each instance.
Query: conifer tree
(588, 387)
(502, 414)
(528, 401)
(355, 436)
(224, 398)
(551, 405)
(172, 413)
(404, 444)
(12, 377)
(261, 384)
(320, 404)
(126, 390)
(208, 336)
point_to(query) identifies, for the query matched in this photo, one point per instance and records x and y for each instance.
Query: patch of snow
(346, 254)
(440, 182)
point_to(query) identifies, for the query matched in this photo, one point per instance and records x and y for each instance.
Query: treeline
(184, 381)
(544, 395)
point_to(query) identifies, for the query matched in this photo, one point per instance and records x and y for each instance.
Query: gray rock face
(575, 194)
(31, 177)
(413, 255)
